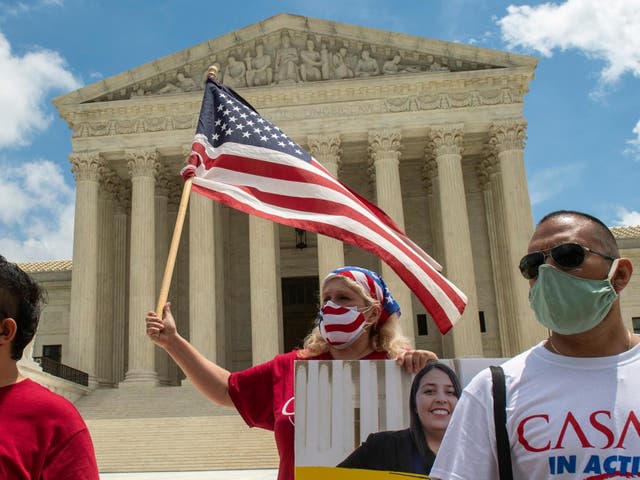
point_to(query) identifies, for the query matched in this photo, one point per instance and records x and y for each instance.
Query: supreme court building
(432, 132)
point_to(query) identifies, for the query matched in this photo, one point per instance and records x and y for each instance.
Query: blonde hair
(387, 338)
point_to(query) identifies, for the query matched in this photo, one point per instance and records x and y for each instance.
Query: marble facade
(431, 131)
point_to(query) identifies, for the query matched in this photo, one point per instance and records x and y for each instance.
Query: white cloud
(548, 183)
(634, 144)
(627, 217)
(36, 212)
(25, 84)
(22, 8)
(605, 30)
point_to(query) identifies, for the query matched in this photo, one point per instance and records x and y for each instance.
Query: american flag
(244, 161)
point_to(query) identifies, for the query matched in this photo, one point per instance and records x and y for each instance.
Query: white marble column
(84, 281)
(106, 280)
(202, 276)
(327, 150)
(266, 290)
(120, 285)
(162, 251)
(515, 223)
(445, 143)
(143, 167)
(384, 150)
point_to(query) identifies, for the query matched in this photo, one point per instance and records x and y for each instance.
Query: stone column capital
(327, 149)
(86, 166)
(142, 163)
(163, 182)
(446, 139)
(486, 169)
(174, 194)
(322, 146)
(429, 172)
(385, 145)
(507, 135)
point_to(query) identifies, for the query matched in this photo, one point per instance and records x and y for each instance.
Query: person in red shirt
(42, 436)
(358, 320)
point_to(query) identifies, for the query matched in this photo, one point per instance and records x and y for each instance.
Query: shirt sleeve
(468, 449)
(75, 460)
(252, 393)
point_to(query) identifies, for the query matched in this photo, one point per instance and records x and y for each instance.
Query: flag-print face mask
(341, 326)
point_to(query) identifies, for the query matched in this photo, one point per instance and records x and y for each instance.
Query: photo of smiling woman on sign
(434, 393)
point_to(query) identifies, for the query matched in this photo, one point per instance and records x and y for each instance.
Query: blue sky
(583, 148)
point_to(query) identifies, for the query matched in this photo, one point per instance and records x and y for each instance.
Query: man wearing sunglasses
(573, 400)
(42, 435)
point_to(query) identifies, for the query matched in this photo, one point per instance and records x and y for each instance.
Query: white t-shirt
(567, 418)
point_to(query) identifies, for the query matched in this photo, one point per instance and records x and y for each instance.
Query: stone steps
(181, 443)
(156, 429)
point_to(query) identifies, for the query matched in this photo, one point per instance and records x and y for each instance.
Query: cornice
(348, 98)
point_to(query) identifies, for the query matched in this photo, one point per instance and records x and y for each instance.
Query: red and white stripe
(282, 188)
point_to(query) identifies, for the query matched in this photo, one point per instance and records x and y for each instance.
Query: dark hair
(415, 426)
(21, 298)
(603, 233)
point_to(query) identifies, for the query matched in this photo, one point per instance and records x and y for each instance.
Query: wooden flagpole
(173, 249)
(212, 72)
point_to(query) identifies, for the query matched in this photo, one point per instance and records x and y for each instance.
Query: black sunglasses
(566, 255)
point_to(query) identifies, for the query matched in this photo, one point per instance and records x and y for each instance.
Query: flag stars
(264, 138)
(246, 134)
(220, 107)
(282, 144)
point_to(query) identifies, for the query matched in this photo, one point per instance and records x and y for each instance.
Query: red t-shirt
(263, 395)
(42, 436)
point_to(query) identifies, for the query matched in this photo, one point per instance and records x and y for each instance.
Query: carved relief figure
(287, 62)
(391, 67)
(183, 84)
(436, 67)
(311, 63)
(367, 66)
(340, 67)
(234, 75)
(259, 71)
(324, 59)
(186, 84)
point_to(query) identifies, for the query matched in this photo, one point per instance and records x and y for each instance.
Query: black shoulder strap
(500, 419)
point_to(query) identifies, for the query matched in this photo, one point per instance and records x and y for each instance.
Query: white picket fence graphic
(332, 416)
(339, 403)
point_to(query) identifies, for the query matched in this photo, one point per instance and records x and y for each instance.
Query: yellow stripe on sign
(335, 473)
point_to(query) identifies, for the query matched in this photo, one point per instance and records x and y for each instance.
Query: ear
(8, 329)
(622, 276)
(374, 313)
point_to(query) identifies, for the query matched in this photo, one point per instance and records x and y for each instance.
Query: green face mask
(567, 304)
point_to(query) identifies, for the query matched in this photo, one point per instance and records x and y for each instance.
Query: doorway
(299, 309)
